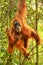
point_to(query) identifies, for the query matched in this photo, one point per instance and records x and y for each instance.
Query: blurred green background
(8, 10)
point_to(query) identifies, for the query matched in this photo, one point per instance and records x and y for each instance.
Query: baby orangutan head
(17, 26)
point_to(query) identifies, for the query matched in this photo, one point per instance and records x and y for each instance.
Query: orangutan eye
(17, 26)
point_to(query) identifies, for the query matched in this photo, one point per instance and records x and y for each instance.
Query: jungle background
(8, 10)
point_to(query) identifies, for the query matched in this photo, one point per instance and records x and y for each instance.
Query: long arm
(30, 32)
(35, 35)
(21, 12)
(11, 40)
(22, 7)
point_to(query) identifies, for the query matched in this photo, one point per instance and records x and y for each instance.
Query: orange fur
(20, 41)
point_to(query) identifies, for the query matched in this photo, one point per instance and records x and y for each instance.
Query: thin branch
(32, 49)
(36, 53)
(31, 20)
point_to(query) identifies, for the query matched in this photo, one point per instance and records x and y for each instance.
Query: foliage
(7, 13)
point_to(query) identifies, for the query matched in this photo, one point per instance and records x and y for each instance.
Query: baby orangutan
(20, 32)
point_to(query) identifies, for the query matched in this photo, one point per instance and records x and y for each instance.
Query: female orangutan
(20, 32)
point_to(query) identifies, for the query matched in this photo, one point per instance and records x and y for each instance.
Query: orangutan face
(17, 26)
